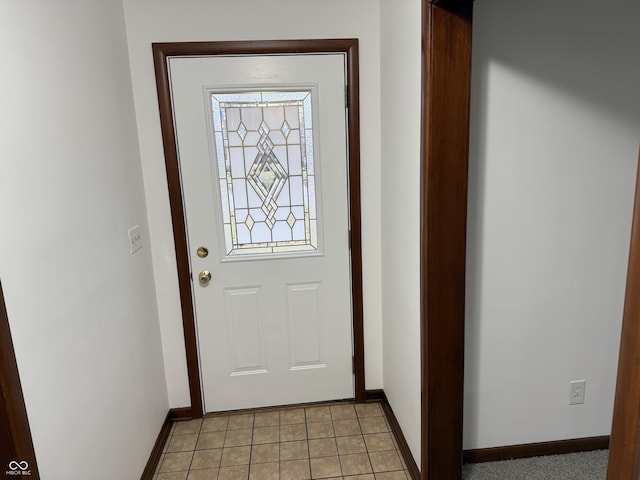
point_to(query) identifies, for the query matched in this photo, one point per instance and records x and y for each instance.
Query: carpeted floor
(574, 466)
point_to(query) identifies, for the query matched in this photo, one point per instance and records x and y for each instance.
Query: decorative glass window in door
(264, 149)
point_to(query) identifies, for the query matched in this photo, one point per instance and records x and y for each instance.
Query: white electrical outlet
(135, 239)
(576, 391)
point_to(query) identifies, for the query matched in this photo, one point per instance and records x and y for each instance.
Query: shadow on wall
(587, 48)
(523, 300)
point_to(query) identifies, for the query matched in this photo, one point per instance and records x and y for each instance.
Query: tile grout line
(360, 417)
(366, 448)
(253, 427)
(336, 442)
(193, 454)
(306, 430)
(308, 446)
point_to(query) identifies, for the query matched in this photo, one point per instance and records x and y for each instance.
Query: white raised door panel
(304, 326)
(274, 323)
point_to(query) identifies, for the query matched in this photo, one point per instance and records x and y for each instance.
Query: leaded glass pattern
(264, 149)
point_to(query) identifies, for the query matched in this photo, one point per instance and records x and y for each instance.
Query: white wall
(81, 309)
(400, 27)
(555, 130)
(209, 20)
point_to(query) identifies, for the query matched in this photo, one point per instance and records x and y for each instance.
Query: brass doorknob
(204, 278)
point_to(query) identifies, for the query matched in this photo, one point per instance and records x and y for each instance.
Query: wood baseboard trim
(527, 450)
(374, 395)
(180, 414)
(403, 446)
(158, 447)
(173, 415)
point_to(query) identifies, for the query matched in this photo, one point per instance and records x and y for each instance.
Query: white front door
(263, 158)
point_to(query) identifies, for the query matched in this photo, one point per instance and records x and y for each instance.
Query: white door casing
(272, 328)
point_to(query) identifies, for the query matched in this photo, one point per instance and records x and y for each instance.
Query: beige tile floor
(336, 440)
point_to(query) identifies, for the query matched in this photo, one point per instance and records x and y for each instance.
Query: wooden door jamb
(14, 413)
(624, 445)
(446, 78)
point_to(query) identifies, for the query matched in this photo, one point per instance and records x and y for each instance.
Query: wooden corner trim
(527, 450)
(13, 412)
(446, 84)
(624, 454)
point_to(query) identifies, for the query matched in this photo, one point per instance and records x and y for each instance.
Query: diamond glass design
(267, 184)
(291, 220)
(249, 222)
(285, 129)
(242, 131)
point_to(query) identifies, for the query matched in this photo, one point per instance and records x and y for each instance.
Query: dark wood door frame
(445, 139)
(161, 53)
(446, 81)
(17, 445)
(624, 446)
